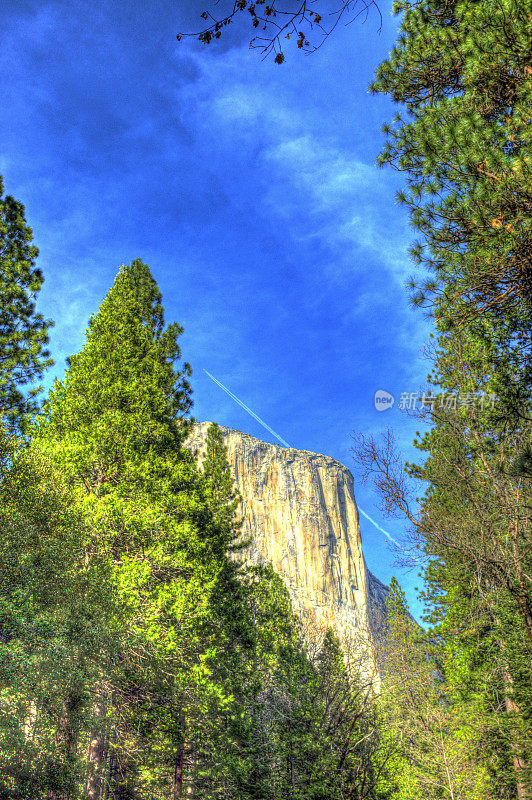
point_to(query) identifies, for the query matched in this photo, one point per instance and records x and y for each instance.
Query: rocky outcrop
(300, 513)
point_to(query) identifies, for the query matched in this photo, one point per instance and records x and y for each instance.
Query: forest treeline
(139, 659)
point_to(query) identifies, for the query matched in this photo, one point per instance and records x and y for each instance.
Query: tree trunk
(523, 595)
(512, 709)
(519, 764)
(67, 739)
(292, 773)
(97, 752)
(180, 762)
(291, 764)
(29, 721)
(179, 772)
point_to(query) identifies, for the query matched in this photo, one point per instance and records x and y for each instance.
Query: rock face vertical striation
(299, 511)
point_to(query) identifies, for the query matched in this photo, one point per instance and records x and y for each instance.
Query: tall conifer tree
(23, 333)
(462, 71)
(116, 427)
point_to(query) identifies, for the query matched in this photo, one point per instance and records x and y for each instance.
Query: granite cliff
(300, 513)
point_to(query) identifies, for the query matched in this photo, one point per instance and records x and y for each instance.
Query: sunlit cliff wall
(300, 513)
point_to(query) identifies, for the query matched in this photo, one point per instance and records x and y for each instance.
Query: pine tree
(224, 497)
(213, 752)
(23, 333)
(462, 70)
(476, 529)
(487, 676)
(115, 426)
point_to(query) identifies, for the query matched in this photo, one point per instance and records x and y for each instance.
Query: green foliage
(223, 497)
(475, 530)
(434, 732)
(23, 333)
(54, 615)
(115, 427)
(137, 658)
(462, 72)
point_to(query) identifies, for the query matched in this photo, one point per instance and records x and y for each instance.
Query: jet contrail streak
(261, 421)
(245, 407)
(388, 536)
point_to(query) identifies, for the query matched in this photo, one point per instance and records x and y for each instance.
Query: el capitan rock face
(300, 513)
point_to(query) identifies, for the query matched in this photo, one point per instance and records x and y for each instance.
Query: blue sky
(251, 191)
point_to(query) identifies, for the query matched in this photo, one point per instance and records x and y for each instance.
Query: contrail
(246, 408)
(267, 427)
(388, 536)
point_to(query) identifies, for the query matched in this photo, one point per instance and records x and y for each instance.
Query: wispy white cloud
(304, 171)
(345, 194)
(324, 170)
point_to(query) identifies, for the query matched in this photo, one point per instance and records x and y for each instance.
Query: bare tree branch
(306, 21)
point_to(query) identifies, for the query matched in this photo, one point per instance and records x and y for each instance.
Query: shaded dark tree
(23, 332)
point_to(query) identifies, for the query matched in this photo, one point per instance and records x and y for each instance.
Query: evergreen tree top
(23, 333)
(122, 391)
